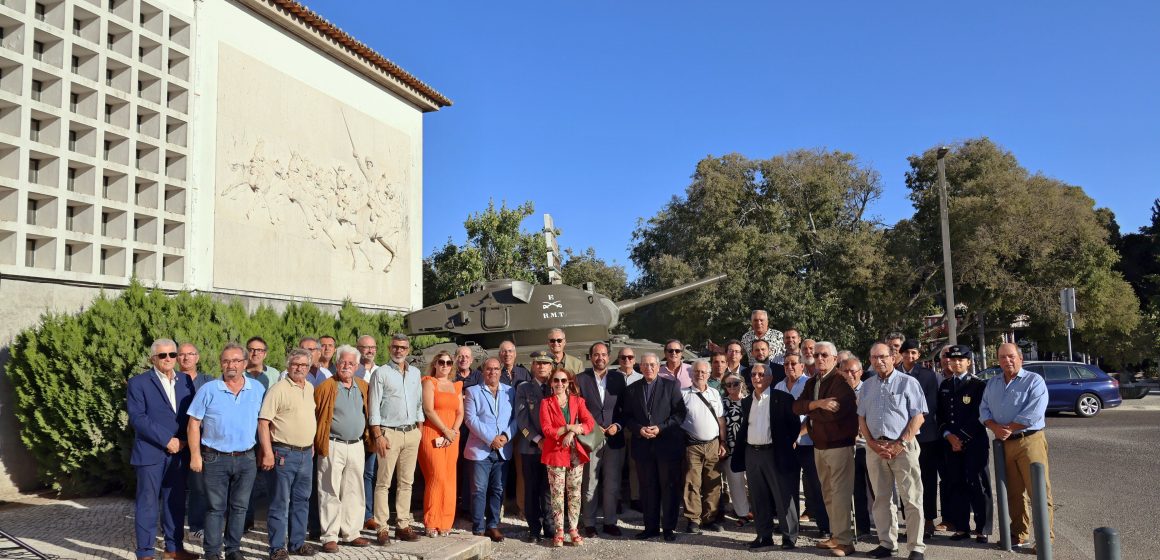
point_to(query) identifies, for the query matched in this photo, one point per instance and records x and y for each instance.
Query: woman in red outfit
(564, 416)
(438, 448)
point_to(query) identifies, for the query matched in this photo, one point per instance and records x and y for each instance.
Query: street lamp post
(952, 321)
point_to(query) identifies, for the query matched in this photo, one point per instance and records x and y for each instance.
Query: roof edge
(313, 28)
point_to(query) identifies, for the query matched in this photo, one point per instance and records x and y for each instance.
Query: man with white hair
(340, 408)
(704, 427)
(759, 323)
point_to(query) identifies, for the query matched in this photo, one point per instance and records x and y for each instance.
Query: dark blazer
(784, 426)
(958, 408)
(610, 410)
(154, 422)
(666, 410)
(529, 398)
(771, 368)
(929, 381)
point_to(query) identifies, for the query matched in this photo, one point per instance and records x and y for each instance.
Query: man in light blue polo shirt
(1014, 406)
(891, 409)
(396, 409)
(223, 424)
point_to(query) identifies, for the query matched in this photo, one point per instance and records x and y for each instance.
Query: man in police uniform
(965, 457)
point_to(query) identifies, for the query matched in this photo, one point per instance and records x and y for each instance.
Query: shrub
(69, 372)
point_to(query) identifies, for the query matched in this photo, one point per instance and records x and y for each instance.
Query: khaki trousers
(836, 473)
(1020, 453)
(340, 491)
(400, 460)
(903, 473)
(702, 482)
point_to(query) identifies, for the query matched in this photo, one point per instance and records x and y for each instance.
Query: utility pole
(1067, 305)
(952, 321)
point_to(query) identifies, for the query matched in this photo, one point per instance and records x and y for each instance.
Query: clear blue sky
(598, 111)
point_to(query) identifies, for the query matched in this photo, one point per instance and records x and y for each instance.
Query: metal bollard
(1001, 495)
(1040, 517)
(1107, 543)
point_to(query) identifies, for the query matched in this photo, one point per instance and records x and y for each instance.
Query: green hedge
(69, 372)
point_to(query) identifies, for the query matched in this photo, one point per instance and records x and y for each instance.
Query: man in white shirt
(704, 427)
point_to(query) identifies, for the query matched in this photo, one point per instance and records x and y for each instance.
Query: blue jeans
(196, 506)
(290, 504)
(370, 474)
(228, 481)
(486, 491)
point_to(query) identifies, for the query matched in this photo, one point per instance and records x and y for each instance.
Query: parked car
(1081, 388)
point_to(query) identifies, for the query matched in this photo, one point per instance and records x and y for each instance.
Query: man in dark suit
(530, 395)
(158, 402)
(604, 395)
(965, 459)
(760, 355)
(929, 438)
(768, 459)
(653, 413)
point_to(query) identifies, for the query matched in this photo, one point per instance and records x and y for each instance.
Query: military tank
(524, 313)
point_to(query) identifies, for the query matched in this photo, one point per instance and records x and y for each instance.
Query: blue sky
(598, 111)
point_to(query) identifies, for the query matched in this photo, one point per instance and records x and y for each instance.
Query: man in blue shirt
(488, 414)
(1013, 408)
(223, 427)
(891, 409)
(396, 411)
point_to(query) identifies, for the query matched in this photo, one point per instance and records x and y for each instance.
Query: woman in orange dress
(438, 448)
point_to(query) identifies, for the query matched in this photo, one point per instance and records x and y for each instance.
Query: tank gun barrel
(630, 305)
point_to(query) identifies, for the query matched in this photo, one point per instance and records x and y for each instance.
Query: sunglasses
(672, 350)
(399, 347)
(733, 384)
(560, 380)
(444, 362)
(626, 358)
(163, 355)
(555, 340)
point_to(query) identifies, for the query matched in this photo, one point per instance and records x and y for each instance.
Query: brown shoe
(383, 538)
(371, 525)
(180, 555)
(843, 550)
(406, 534)
(360, 542)
(330, 547)
(494, 534)
(828, 544)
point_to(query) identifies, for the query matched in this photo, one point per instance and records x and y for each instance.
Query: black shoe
(212, 557)
(713, 526)
(981, 539)
(670, 536)
(235, 555)
(880, 552)
(693, 528)
(760, 542)
(916, 555)
(612, 530)
(305, 550)
(787, 544)
(960, 536)
(635, 505)
(647, 534)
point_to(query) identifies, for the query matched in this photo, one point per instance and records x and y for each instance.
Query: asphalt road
(1105, 472)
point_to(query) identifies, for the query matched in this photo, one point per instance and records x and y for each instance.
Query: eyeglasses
(371, 347)
(851, 371)
(186, 354)
(555, 341)
(399, 347)
(560, 380)
(822, 354)
(256, 350)
(444, 362)
(163, 355)
(732, 384)
(298, 365)
(672, 350)
(626, 357)
(880, 357)
(233, 361)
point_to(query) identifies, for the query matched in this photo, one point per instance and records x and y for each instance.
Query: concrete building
(198, 144)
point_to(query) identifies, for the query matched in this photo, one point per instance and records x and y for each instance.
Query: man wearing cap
(968, 483)
(1013, 408)
(529, 396)
(891, 409)
(930, 442)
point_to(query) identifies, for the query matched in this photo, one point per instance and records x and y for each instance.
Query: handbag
(592, 441)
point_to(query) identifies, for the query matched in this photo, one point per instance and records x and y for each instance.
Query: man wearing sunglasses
(557, 341)
(396, 411)
(158, 401)
(674, 368)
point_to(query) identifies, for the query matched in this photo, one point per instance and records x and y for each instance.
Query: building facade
(207, 145)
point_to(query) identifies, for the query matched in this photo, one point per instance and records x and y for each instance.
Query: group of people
(332, 436)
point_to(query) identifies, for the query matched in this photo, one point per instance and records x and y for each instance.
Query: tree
(792, 234)
(1017, 239)
(610, 280)
(495, 248)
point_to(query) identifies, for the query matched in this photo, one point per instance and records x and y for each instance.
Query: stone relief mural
(322, 192)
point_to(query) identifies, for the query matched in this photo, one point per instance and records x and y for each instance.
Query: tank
(524, 313)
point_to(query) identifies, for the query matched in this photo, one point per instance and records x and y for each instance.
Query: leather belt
(402, 429)
(1023, 434)
(206, 448)
(760, 447)
(292, 447)
(348, 441)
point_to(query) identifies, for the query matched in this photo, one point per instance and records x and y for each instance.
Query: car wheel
(1087, 405)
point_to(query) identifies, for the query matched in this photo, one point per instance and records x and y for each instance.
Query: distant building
(198, 145)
